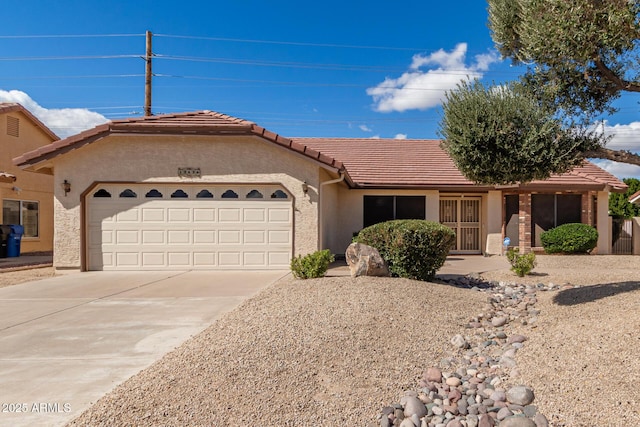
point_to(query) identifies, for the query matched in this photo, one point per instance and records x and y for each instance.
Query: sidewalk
(455, 265)
(26, 261)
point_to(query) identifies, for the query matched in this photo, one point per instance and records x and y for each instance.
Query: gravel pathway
(335, 351)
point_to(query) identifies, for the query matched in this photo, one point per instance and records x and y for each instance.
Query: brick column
(587, 208)
(524, 222)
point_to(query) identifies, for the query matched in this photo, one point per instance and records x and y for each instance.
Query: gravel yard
(334, 351)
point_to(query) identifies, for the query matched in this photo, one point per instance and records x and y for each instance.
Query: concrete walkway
(68, 340)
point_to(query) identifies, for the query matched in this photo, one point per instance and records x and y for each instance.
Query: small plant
(572, 238)
(413, 249)
(311, 266)
(521, 264)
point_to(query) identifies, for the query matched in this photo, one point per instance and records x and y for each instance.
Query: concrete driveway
(68, 340)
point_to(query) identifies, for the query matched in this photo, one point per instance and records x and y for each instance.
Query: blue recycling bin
(13, 242)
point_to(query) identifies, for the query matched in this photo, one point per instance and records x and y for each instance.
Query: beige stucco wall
(228, 159)
(493, 222)
(636, 235)
(30, 186)
(604, 224)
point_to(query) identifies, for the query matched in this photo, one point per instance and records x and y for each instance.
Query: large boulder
(365, 260)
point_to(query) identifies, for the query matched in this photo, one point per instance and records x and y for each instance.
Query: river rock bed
(476, 386)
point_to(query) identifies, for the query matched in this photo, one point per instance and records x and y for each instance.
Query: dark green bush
(414, 249)
(521, 264)
(570, 239)
(311, 266)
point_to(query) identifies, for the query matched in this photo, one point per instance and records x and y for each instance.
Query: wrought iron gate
(463, 216)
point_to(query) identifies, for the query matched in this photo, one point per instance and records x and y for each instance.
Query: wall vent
(13, 126)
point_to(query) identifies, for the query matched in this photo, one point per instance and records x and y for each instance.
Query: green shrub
(311, 266)
(414, 249)
(570, 239)
(521, 264)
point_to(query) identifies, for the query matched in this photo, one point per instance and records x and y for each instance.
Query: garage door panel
(153, 215)
(204, 215)
(229, 237)
(229, 259)
(233, 215)
(188, 233)
(178, 237)
(204, 259)
(153, 259)
(179, 215)
(279, 259)
(128, 216)
(130, 259)
(204, 237)
(254, 237)
(254, 215)
(255, 259)
(179, 259)
(279, 237)
(281, 215)
(153, 237)
(127, 237)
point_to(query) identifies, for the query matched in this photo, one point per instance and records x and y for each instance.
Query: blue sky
(345, 69)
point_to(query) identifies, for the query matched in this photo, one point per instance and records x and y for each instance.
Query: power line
(289, 43)
(66, 36)
(62, 58)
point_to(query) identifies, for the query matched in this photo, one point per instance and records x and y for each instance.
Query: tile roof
(393, 162)
(10, 107)
(635, 197)
(193, 123)
(7, 177)
(422, 163)
(366, 163)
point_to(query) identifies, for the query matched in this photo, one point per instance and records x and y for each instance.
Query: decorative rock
(413, 405)
(520, 395)
(364, 260)
(385, 422)
(459, 341)
(504, 413)
(453, 381)
(454, 423)
(433, 375)
(499, 321)
(540, 420)
(516, 421)
(485, 421)
(407, 423)
(516, 339)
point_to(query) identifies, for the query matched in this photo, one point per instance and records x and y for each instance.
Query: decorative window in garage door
(198, 229)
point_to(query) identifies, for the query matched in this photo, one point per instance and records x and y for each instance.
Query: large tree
(580, 56)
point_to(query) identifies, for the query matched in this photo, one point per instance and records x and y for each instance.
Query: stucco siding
(29, 186)
(227, 159)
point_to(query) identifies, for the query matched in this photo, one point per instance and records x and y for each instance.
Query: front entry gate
(462, 215)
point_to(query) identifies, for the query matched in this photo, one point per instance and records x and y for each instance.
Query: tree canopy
(619, 203)
(581, 53)
(580, 56)
(500, 135)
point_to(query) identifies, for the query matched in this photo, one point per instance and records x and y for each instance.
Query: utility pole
(147, 78)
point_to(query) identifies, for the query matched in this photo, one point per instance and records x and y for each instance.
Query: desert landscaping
(337, 351)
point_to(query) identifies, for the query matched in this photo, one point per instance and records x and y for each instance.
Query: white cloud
(620, 170)
(400, 136)
(374, 137)
(365, 128)
(419, 89)
(624, 137)
(62, 121)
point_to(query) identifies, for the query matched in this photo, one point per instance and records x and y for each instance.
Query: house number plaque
(189, 173)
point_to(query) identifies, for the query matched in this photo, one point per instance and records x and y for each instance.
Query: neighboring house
(204, 190)
(635, 198)
(26, 197)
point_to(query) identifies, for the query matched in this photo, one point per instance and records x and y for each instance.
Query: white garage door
(177, 227)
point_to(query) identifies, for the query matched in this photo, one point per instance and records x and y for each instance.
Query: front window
(22, 212)
(385, 208)
(551, 210)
